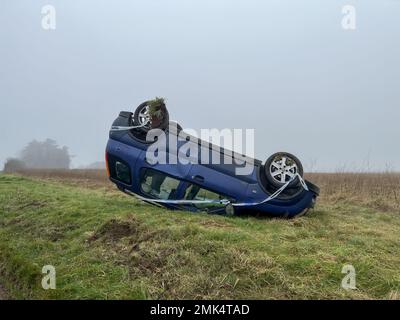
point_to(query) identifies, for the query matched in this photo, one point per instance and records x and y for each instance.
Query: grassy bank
(106, 245)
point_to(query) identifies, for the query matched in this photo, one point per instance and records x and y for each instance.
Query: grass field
(104, 244)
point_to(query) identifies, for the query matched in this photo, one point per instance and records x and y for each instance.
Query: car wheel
(143, 118)
(281, 167)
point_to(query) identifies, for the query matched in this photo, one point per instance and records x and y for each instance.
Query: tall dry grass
(378, 190)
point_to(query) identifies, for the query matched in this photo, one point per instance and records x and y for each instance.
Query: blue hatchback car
(275, 188)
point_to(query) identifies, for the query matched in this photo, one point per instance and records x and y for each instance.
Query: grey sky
(284, 68)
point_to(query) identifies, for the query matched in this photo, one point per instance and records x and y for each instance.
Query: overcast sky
(285, 68)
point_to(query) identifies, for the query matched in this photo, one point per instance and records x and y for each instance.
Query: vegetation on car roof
(155, 105)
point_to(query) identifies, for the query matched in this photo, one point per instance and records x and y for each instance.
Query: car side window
(195, 192)
(159, 185)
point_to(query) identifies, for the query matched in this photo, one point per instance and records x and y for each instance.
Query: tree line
(40, 155)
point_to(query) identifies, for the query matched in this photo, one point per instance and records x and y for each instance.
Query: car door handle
(199, 178)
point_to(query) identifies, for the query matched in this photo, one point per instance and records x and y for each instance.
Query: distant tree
(13, 165)
(45, 155)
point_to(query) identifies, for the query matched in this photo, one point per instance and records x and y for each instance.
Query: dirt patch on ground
(3, 293)
(33, 204)
(115, 230)
(150, 261)
(132, 244)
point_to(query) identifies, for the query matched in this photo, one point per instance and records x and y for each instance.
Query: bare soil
(3, 294)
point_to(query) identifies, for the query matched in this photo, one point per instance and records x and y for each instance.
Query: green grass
(106, 245)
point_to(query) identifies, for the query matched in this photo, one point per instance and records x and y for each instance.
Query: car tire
(141, 115)
(280, 167)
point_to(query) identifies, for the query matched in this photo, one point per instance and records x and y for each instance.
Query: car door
(203, 199)
(211, 179)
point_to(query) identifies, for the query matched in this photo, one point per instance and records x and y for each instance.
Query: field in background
(377, 190)
(85, 177)
(105, 244)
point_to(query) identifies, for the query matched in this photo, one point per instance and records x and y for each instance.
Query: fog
(285, 68)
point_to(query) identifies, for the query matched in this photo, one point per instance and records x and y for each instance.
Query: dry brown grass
(87, 178)
(377, 190)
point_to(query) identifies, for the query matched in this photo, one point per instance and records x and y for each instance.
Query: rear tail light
(107, 165)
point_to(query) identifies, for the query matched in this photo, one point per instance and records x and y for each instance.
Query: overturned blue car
(153, 158)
